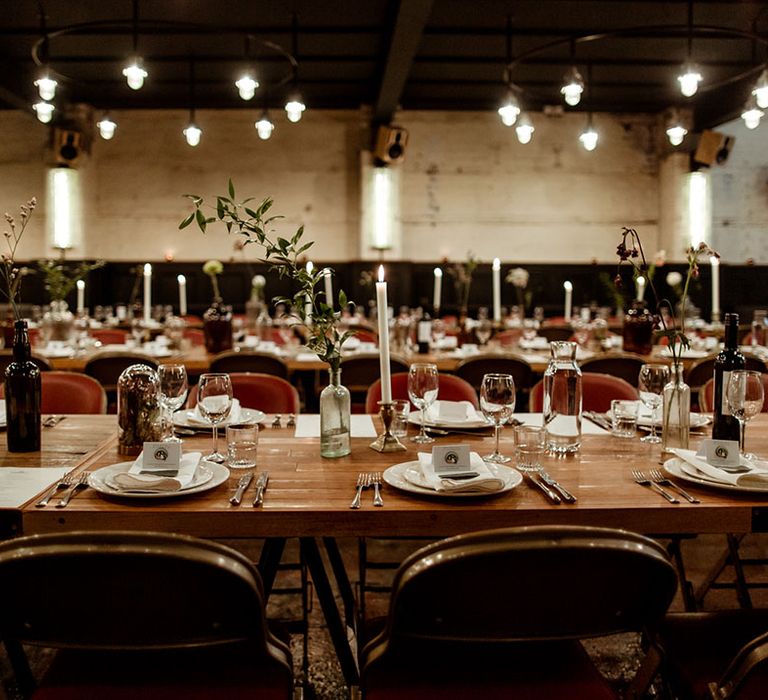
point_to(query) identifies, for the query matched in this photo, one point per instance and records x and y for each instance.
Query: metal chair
(163, 615)
(255, 362)
(498, 614)
(625, 365)
(598, 390)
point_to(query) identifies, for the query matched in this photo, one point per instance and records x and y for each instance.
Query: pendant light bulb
(589, 138)
(524, 129)
(294, 108)
(509, 110)
(44, 111)
(46, 86)
(106, 127)
(760, 90)
(264, 127)
(573, 87)
(676, 133)
(752, 115)
(192, 133)
(135, 74)
(689, 80)
(246, 85)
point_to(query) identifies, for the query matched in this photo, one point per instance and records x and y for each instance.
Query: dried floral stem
(11, 274)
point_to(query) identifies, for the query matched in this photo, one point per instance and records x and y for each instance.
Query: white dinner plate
(698, 420)
(414, 418)
(248, 416)
(396, 476)
(209, 475)
(677, 467)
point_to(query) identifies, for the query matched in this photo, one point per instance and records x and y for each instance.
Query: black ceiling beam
(11, 86)
(409, 25)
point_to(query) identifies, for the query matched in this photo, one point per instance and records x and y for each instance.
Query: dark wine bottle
(726, 426)
(424, 334)
(22, 395)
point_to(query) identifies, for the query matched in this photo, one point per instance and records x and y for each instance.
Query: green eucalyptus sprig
(11, 273)
(61, 280)
(284, 256)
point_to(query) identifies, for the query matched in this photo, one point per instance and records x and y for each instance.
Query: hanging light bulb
(294, 108)
(46, 86)
(135, 73)
(264, 127)
(573, 87)
(193, 133)
(760, 90)
(689, 80)
(509, 110)
(751, 114)
(246, 85)
(676, 133)
(106, 127)
(589, 137)
(44, 111)
(524, 128)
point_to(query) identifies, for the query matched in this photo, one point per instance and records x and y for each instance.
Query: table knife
(261, 484)
(242, 485)
(550, 494)
(549, 481)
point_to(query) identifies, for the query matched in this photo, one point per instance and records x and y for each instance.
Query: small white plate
(248, 416)
(396, 476)
(676, 467)
(209, 475)
(698, 420)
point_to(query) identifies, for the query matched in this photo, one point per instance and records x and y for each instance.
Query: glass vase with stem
(745, 394)
(173, 391)
(651, 382)
(497, 402)
(676, 402)
(214, 398)
(423, 384)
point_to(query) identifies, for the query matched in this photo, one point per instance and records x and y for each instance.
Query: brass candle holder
(387, 442)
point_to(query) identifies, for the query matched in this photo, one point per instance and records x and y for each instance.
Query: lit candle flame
(381, 273)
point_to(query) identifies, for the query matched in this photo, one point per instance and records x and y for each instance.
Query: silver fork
(81, 483)
(641, 479)
(52, 421)
(376, 480)
(65, 481)
(658, 478)
(363, 480)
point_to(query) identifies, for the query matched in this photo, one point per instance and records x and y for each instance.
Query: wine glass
(497, 402)
(423, 382)
(173, 391)
(745, 395)
(483, 331)
(651, 384)
(214, 398)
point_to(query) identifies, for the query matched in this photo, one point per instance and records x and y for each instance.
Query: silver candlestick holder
(387, 442)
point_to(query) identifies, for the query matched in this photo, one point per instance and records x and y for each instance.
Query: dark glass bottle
(725, 426)
(638, 329)
(424, 334)
(217, 328)
(22, 395)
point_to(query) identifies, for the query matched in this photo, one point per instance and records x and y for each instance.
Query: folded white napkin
(756, 477)
(451, 411)
(196, 418)
(134, 480)
(484, 482)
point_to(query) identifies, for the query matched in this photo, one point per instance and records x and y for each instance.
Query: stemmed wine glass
(173, 391)
(214, 398)
(745, 395)
(497, 402)
(423, 383)
(651, 383)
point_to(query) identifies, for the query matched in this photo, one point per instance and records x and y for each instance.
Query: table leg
(271, 554)
(342, 581)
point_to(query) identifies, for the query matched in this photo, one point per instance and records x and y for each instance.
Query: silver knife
(547, 479)
(261, 484)
(242, 485)
(551, 495)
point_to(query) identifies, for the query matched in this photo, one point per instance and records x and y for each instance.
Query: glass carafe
(676, 421)
(335, 410)
(562, 399)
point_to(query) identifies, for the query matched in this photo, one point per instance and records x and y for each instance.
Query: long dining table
(309, 497)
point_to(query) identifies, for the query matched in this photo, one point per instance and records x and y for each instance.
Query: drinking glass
(173, 391)
(483, 331)
(745, 395)
(423, 383)
(214, 398)
(497, 402)
(651, 384)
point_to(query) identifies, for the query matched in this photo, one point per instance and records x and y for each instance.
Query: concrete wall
(467, 185)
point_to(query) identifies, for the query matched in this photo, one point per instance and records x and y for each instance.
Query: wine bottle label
(425, 332)
(725, 409)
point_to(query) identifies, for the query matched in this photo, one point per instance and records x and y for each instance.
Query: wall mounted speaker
(67, 146)
(390, 144)
(713, 148)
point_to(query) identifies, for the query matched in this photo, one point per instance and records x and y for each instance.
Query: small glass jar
(638, 329)
(335, 417)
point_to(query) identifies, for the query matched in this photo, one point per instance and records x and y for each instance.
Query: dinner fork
(641, 479)
(376, 481)
(65, 481)
(81, 483)
(659, 478)
(363, 480)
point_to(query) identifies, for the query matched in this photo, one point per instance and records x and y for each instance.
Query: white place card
(720, 453)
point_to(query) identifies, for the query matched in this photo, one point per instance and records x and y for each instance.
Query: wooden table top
(310, 496)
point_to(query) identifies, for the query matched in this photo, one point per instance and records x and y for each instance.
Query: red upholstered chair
(110, 336)
(598, 390)
(447, 636)
(451, 389)
(707, 395)
(264, 392)
(195, 336)
(129, 641)
(72, 392)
